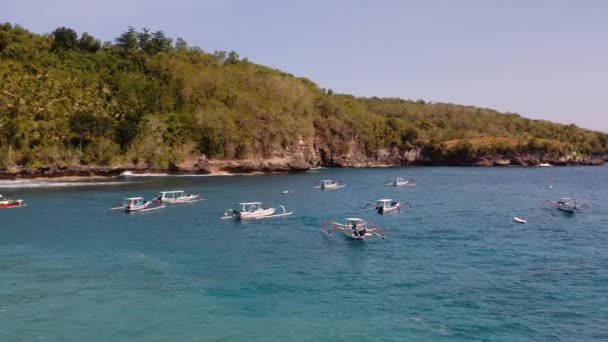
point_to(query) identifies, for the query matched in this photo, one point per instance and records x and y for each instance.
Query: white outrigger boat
(10, 203)
(387, 205)
(401, 182)
(178, 196)
(353, 228)
(567, 205)
(328, 184)
(133, 204)
(253, 210)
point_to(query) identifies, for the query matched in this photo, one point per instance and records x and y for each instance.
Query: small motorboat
(253, 210)
(178, 196)
(544, 165)
(285, 192)
(353, 228)
(11, 203)
(401, 182)
(133, 204)
(328, 184)
(566, 205)
(317, 169)
(387, 205)
(519, 220)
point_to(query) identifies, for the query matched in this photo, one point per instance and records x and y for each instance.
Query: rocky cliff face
(302, 156)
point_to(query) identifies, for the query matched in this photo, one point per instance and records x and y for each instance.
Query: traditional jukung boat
(10, 203)
(178, 196)
(401, 182)
(387, 205)
(567, 205)
(353, 228)
(133, 204)
(254, 210)
(328, 184)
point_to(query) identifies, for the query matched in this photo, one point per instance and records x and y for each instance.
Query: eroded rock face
(300, 157)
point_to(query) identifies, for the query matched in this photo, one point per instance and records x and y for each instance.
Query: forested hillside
(148, 101)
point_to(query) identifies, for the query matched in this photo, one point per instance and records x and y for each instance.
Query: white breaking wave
(131, 174)
(19, 184)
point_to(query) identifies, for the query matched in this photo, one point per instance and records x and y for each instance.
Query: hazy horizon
(545, 60)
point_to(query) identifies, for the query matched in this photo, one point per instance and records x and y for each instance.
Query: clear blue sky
(542, 59)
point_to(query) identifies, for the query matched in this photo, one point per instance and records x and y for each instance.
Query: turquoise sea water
(455, 268)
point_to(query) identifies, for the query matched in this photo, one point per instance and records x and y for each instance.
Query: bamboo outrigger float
(353, 228)
(253, 210)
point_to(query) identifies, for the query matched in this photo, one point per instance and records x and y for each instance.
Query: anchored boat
(353, 228)
(401, 182)
(567, 205)
(254, 210)
(178, 196)
(10, 203)
(387, 205)
(133, 204)
(328, 184)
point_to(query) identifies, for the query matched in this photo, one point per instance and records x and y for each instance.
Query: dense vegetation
(144, 98)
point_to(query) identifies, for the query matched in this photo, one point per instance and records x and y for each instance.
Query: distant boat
(387, 205)
(544, 165)
(567, 205)
(353, 228)
(178, 196)
(401, 182)
(10, 203)
(254, 210)
(133, 204)
(519, 220)
(328, 184)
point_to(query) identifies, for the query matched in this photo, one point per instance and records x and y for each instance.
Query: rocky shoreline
(287, 164)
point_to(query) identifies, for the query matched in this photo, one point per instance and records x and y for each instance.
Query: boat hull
(383, 210)
(519, 220)
(330, 187)
(133, 208)
(185, 199)
(245, 215)
(351, 235)
(11, 204)
(566, 209)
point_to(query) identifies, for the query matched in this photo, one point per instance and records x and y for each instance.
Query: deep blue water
(455, 268)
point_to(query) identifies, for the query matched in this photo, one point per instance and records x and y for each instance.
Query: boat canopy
(385, 200)
(354, 220)
(134, 201)
(172, 192)
(250, 203)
